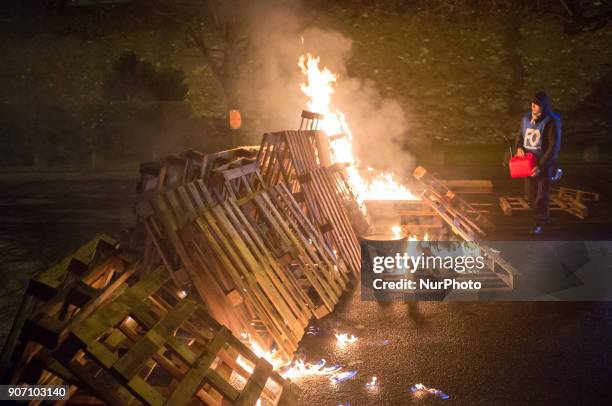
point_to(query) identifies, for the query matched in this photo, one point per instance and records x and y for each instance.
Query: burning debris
(342, 376)
(300, 369)
(420, 390)
(346, 338)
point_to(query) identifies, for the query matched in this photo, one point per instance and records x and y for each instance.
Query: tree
(225, 57)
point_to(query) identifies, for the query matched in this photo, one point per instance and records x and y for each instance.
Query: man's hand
(535, 171)
(520, 152)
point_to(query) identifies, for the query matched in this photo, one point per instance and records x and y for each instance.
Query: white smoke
(378, 124)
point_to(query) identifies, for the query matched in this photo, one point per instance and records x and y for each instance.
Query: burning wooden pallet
(257, 262)
(296, 158)
(288, 234)
(168, 224)
(147, 344)
(325, 209)
(286, 156)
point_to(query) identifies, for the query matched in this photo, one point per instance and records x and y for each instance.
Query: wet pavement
(504, 353)
(478, 353)
(42, 222)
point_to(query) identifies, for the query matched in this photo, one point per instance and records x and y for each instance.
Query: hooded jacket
(547, 144)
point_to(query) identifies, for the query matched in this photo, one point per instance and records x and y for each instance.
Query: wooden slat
(195, 377)
(131, 362)
(254, 386)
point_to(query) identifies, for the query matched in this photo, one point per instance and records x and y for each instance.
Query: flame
(396, 232)
(295, 369)
(319, 88)
(302, 369)
(345, 338)
(269, 356)
(419, 390)
(373, 384)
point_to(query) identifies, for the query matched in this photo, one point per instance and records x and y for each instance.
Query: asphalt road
(42, 222)
(478, 353)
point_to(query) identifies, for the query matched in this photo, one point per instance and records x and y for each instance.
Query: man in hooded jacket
(540, 134)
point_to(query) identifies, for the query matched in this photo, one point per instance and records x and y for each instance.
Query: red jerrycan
(521, 167)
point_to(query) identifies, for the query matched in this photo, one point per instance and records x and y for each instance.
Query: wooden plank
(47, 283)
(505, 206)
(112, 313)
(130, 363)
(196, 375)
(289, 395)
(254, 386)
(469, 186)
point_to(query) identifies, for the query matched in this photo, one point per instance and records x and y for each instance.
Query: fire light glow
(292, 370)
(269, 356)
(345, 339)
(397, 232)
(300, 369)
(319, 89)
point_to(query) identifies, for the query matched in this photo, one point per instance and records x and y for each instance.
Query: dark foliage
(133, 78)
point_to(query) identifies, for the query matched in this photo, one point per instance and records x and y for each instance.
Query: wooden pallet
(286, 156)
(236, 180)
(310, 120)
(171, 171)
(61, 297)
(283, 156)
(572, 201)
(357, 211)
(297, 246)
(582, 196)
(464, 219)
(469, 186)
(288, 235)
(439, 191)
(229, 265)
(325, 209)
(148, 345)
(187, 166)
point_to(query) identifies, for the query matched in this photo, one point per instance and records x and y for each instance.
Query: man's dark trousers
(537, 193)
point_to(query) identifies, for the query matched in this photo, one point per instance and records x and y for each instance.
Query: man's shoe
(538, 229)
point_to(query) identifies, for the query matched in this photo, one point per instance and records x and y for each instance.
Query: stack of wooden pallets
(114, 334)
(295, 158)
(463, 218)
(249, 251)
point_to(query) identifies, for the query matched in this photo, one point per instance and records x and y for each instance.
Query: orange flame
(319, 88)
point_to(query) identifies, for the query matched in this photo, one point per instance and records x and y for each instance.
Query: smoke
(279, 36)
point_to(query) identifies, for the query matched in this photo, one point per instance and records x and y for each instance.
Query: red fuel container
(521, 167)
